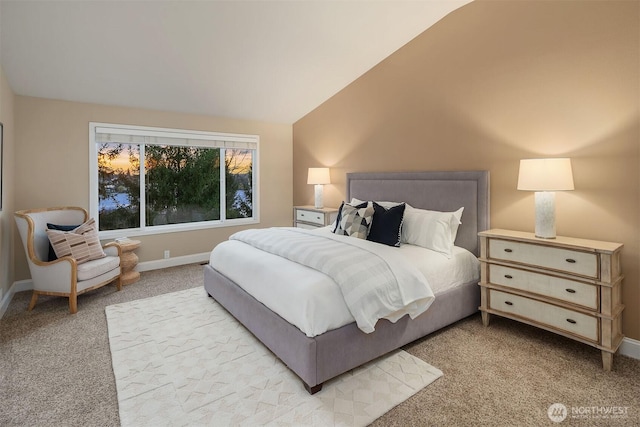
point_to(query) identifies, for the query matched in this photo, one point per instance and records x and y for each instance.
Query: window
(153, 180)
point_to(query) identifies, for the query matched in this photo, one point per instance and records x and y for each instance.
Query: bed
(316, 359)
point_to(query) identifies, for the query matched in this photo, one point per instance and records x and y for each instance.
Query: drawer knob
(571, 291)
(571, 261)
(573, 322)
(508, 250)
(508, 302)
(508, 276)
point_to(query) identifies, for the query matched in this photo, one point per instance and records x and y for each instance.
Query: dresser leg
(485, 318)
(607, 360)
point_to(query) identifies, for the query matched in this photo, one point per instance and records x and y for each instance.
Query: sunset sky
(241, 165)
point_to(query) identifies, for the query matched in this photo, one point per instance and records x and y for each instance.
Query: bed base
(318, 359)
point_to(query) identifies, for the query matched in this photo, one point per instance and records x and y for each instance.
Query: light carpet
(181, 359)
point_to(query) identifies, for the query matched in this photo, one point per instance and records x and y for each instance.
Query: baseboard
(630, 348)
(19, 286)
(173, 262)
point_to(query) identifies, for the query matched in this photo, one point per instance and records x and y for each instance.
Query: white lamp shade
(318, 176)
(545, 175)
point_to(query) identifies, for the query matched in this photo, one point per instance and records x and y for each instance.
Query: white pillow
(431, 229)
(456, 223)
(387, 205)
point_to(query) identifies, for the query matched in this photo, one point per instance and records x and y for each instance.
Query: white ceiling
(271, 61)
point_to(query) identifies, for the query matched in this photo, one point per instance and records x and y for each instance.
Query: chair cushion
(96, 267)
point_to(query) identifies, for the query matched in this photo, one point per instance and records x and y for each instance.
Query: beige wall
(52, 151)
(490, 84)
(6, 215)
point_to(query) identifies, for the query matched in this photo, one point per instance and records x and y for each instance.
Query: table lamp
(545, 177)
(319, 177)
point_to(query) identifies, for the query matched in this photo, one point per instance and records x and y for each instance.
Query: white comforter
(375, 283)
(311, 300)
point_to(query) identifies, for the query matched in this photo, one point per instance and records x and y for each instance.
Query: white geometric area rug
(181, 360)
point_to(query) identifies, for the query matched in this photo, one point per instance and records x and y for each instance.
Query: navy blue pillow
(52, 254)
(386, 227)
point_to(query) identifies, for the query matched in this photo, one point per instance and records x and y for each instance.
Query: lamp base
(545, 214)
(318, 196)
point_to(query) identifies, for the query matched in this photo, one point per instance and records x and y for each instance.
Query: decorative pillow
(52, 254)
(387, 224)
(355, 220)
(431, 229)
(81, 243)
(336, 225)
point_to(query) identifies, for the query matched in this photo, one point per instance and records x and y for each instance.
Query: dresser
(311, 217)
(565, 285)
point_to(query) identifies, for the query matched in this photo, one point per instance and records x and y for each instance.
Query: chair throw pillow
(52, 254)
(81, 243)
(355, 220)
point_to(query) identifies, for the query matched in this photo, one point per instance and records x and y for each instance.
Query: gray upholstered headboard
(439, 191)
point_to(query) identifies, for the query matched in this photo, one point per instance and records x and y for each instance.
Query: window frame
(205, 139)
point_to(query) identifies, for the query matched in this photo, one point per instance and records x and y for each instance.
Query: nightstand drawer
(306, 226)
(579, 324)
(573, 292)
(310, 216)
(565, 260)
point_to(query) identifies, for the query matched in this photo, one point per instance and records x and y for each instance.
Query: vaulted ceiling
(263, 60)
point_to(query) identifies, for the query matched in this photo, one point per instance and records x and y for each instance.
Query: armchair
(63, 276)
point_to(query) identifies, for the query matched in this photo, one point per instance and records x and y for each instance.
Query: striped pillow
(81, 243)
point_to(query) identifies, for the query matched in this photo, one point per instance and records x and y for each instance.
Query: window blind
(175, 138)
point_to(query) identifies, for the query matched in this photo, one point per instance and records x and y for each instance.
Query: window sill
(175, 228)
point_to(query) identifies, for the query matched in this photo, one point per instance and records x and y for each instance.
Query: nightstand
(565, 285)
(311, 217)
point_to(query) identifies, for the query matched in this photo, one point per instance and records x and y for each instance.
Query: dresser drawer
(579, 324)
(566, 260)
(309, 216)
(573, 292)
